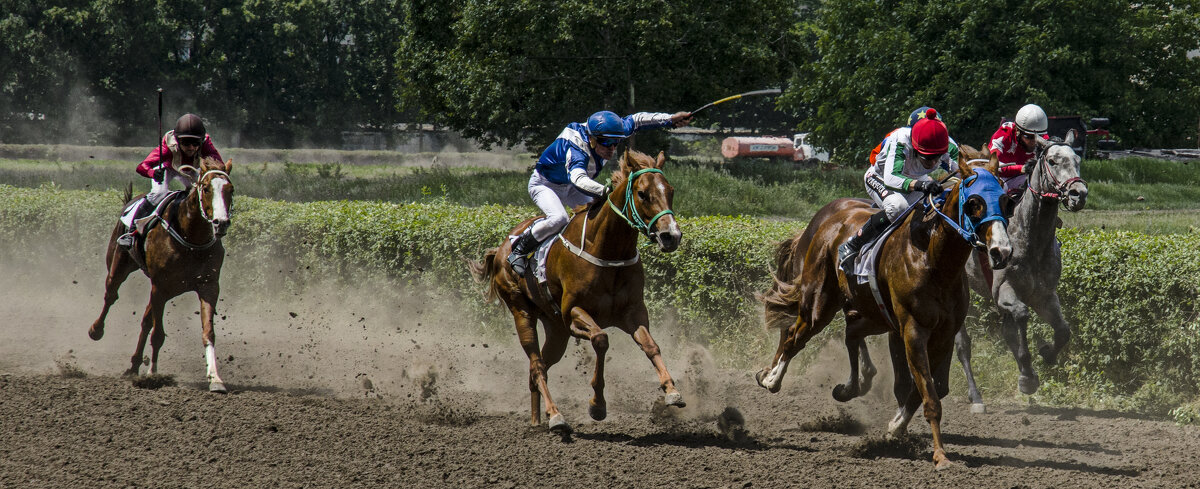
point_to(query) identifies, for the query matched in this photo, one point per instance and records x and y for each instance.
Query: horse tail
(483, 272)
(128, 194)
(780, 302)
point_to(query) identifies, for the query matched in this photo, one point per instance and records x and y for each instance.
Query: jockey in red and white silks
(187, 144)
(1013, 145)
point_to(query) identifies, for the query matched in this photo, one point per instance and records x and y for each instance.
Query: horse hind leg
(962, 343)
(138, 357)
(526, 326)
(1014, 316)
(855, 349)
(119, 268)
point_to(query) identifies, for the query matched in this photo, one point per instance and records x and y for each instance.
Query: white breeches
(892, 202)
(550, 197)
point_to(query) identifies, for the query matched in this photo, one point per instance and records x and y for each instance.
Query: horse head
(639, 182)
(1056, 174)
(214, 192)
(982, 210)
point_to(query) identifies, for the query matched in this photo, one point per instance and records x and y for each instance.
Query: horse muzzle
(667, 240)
(220, 227)
(1076, 197)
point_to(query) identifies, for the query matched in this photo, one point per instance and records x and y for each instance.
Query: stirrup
(518, 263)
(125, 240)
(846, 255)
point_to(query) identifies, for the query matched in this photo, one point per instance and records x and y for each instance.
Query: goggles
(608, 142)
(189, 142)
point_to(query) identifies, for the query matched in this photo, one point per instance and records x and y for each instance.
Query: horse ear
(1070, 139)
(626, 161)
(662, 158)
(229, 165)
(1042, 142)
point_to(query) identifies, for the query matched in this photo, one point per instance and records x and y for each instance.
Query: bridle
(203, 214)
(630, 214)
(967, 227)
(1059, 191)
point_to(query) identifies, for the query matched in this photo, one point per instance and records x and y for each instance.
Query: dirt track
(368, 389)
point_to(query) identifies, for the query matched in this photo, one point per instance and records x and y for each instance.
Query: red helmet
(929, 135)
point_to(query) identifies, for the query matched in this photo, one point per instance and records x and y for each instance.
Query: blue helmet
(606, 124)
(919, 114)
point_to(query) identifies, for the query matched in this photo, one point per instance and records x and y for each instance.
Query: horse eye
(643, 195)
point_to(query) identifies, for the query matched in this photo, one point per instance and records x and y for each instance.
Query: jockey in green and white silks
(900, 176)
(566, 171)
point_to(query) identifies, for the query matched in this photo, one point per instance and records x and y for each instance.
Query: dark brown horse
(182, 253)
(594, 280)
(922, 289)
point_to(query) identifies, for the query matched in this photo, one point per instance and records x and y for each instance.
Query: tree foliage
(980, 61)
(508, 71)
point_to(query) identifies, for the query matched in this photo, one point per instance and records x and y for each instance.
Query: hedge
(1130, 298)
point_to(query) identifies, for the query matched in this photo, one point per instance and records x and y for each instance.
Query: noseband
(1059, 191)
(967, 227)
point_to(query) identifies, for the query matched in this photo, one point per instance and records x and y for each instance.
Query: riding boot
(870, 230)
(522, 248)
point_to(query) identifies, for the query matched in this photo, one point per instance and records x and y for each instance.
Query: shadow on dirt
(1008, 461)
(969, 440)
(1070, 414)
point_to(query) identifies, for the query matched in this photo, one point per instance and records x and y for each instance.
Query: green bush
(1131, 298)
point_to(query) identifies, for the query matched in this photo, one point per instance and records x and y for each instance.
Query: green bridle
(629, 211)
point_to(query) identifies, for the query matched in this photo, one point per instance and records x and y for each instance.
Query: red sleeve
(208, 149)
(153, 160)
(1010, 171)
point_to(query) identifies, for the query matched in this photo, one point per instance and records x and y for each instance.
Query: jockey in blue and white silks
(566, 171)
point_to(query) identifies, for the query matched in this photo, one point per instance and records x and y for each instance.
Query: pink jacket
(173, 158)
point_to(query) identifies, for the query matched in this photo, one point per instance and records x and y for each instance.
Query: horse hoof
(218, 387)
(978, 408)
(1048, 354)
(943, 464)
(95, 334)
(762, 374)
(559, 425)
(674, 399)
(1027, 385)
(598, 412)
(843, 394)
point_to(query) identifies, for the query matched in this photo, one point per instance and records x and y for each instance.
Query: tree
(510, 71)
(980, 61)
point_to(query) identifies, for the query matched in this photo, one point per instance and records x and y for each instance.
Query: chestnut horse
(921, 283)
(182, 253)
(1031, 279)
(594, 280)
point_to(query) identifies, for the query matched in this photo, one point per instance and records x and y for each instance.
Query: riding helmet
(606, 124)
(1032, 119)
(929, 135)
(190, 127)
(919, 114)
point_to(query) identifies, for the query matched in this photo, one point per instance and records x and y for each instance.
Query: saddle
(135, 218)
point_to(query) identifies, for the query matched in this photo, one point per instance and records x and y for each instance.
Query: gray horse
(1031, 278)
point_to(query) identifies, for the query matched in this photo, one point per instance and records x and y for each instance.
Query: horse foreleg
(208, 300)
(916, 345)
(1050, 310)
(583, 326)
(962, 343)
(158, 334)
(1014, 316)
(119, 268)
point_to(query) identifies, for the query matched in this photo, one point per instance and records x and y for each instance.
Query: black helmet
(190, 126)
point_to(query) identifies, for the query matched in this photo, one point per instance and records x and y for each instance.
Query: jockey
(566, 170)
(185, 145)
(915, 116)
(1013, 145)
(900, 176)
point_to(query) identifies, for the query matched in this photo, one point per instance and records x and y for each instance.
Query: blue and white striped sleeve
(642, 121)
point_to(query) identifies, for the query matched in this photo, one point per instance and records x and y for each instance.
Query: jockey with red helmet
(900, 176)
(185, 145)
(1014, 145)
(566, 170)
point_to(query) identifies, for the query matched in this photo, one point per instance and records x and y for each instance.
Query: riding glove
(927, 186)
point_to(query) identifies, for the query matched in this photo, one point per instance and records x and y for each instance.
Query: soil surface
(369, 388)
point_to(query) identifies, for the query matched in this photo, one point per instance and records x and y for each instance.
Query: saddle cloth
(538, 260)
(868, 257)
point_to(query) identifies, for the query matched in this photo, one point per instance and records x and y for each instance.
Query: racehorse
(1031, 278)
(923, 296)
(594, 280)
(182, 253)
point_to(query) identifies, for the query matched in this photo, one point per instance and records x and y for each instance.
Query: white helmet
(1032, 119)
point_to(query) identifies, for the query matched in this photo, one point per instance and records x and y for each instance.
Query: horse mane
(967, 153)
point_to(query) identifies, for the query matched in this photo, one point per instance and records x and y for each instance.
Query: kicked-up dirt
(365, 389)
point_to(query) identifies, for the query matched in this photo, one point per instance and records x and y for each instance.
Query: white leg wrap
(210, 356)
(775, 376)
